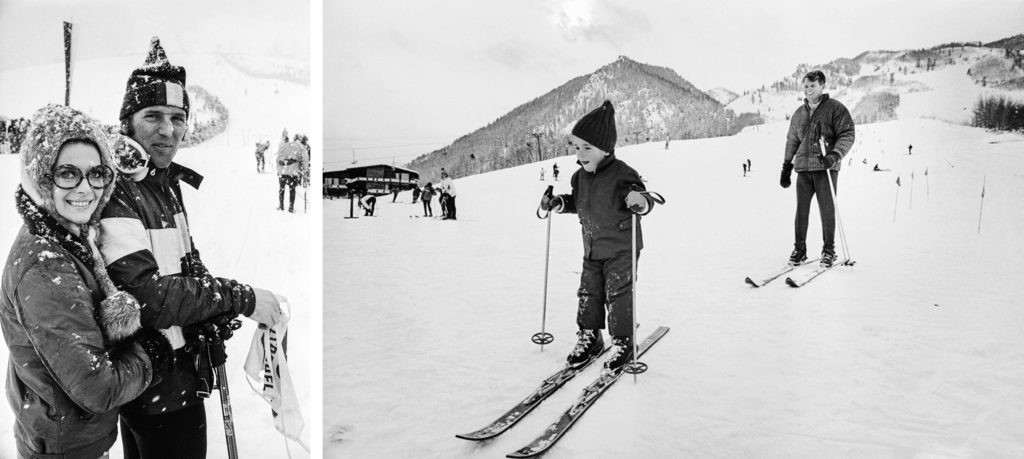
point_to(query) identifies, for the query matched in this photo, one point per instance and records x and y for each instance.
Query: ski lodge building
(376, 179)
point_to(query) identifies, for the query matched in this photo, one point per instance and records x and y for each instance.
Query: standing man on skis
(605, 193)
(820, 117)
(149, 252)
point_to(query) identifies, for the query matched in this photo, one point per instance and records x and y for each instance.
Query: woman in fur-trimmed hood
(76, 349)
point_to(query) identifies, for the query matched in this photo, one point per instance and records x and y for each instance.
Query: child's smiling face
(588, 155)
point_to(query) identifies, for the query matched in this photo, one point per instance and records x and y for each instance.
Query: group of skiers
(293, 165)
(554, 172)
(445, 191)
(109, 314)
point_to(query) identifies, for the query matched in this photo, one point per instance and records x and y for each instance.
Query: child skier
(605, 193)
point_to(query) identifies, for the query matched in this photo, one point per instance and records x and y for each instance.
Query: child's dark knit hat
(157, 82)
(598, 127)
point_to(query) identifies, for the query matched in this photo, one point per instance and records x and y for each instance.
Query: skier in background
(261, 149)
(819, 117)
(415, 194)
(368, 203)
(428, 194)
(542, 173)
(605, 193)
(744, 169)
(291, 165)
(554, 171)
(447, 187)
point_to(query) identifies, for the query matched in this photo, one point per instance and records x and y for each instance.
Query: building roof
(368, 165)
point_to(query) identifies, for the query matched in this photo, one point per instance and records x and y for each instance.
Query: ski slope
(232, 216)
(916, 351)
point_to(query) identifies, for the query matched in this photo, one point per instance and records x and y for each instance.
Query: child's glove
(548, 202)
(636, 202)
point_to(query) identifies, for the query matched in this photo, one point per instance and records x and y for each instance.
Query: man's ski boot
(828, 258)
(622, 353)
(798, 256)
(589, 345)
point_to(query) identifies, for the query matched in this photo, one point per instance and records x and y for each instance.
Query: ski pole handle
(550, 193)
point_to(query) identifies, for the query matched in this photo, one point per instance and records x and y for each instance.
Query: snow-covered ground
(916, 351)
(233, 217)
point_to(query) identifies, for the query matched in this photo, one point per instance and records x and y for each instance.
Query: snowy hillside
(916, 351)
(946, 93)
(233, 216)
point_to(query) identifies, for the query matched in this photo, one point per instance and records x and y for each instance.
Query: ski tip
(522, 453)
(470, 437)
(790, 282)
(752, 283)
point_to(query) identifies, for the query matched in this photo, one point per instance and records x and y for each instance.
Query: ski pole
(634, 368)
(543, 337)
(225, 409)
(835, 204)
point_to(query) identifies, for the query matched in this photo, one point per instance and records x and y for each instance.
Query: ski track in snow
(916, 351)
(232, 218)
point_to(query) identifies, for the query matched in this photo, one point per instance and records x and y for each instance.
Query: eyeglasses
(68, 177)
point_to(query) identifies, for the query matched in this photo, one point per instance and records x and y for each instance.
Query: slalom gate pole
(841, 231)
(982, 206)
(543, 337)
(351, 204)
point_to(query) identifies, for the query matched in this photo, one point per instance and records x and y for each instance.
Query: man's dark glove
(787, 171)
(831, 159)
(214, 330)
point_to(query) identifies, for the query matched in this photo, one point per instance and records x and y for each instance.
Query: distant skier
(819, 117)
(748, 165)
(415, 194)
(605, 194)
(261, 149)
(744, 169)
(394, 194)
(554, 171)
(428, 194)
(447, 187)
(368, 203)
(542, 174)
(910, 149)
(291, 164)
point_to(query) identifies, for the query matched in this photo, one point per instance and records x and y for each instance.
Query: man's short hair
(815, 75)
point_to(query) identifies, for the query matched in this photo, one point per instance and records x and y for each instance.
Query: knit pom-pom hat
(156, 82)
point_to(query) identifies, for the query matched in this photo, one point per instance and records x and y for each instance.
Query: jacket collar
(172, 174)
(824, 98)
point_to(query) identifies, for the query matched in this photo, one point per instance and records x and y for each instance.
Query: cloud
(597, 21)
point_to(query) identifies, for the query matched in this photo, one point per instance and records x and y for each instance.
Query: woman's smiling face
(77, 204)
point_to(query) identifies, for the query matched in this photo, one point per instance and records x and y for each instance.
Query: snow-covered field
(916, 351)
(233, 218)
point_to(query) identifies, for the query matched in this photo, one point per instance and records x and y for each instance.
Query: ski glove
(787, 171)
(636, 202)
(548, 202)
(831, 159)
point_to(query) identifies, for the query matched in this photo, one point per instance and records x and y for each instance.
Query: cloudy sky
(31, 30)
(402, 78)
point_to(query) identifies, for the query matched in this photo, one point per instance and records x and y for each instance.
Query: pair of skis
(801, 278)
(551, 384)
